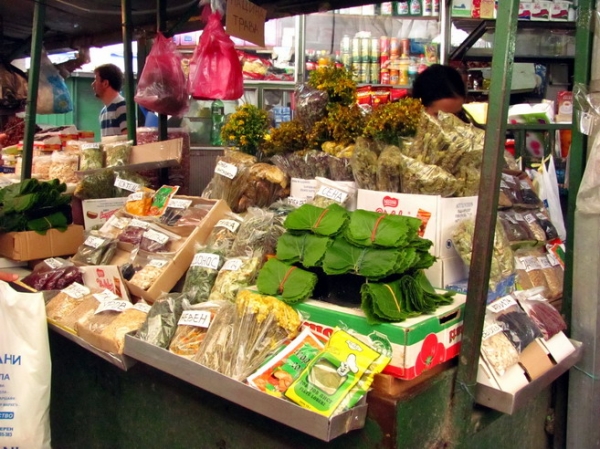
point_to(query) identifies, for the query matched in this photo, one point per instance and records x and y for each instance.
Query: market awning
(71, 24)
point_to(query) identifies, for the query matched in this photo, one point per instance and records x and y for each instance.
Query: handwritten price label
(126, 185)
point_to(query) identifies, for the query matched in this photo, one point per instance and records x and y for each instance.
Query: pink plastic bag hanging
(162, 85)
(215, 69)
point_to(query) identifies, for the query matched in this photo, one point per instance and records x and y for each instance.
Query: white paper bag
(25, 370)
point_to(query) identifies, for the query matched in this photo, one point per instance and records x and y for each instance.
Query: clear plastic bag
(331, 192)
(545, 316)
(202, 273)
(53, 94)
(245, 333)
(311, 105)
(117, 153)
(91, 156)
(389, 165)
(424, 179)
(148, 268)
(236, 274)
(515, 323)
(64, 167)
(161, 322)
(496, 348)
(162, 84)
(364, 164)
(224, 233)
(96, 250)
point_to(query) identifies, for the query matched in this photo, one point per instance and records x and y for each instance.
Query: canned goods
(374, 73)
(355, 71)
(363, 72)
(405, 47)
(374, 50)
(346, 44)
(384, 62)
(384, 76)
(365, 47)
(356, 49)
(394, 46)
(384, 45)
(347, 60)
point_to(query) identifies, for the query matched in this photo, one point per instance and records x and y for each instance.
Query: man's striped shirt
(113, 118)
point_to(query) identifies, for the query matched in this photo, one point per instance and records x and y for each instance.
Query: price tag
(232, 264)
(529, 218)
(502, 304)
(530, 263)
(541, 216)
(585, 123)
(138, 224)
(137, 196)
(231, 225)
(156, 236)
(179, 203)
(94, 242)
(490, 330)
(510, 218)
(524, 185)
(114, 305)
(76, 290)
(519, 217)
(90, 146)
(158, 263)
(296, 202)
(225, 169)
(53, 263)
(126, 185)
(333, 194)
(205, 260)
(198, 318)
(142, 307)
(504, 185)
(552, 259)
(544, 262)
(106, 295)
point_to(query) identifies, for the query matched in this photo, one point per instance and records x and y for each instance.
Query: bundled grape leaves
(306, 248)
(409, 296)
(374, 229)
(291, 283)
(326, 222)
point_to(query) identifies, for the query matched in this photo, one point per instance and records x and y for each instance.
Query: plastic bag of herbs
(202, 273)
(245, 333)
(230, 178)
(161, 322)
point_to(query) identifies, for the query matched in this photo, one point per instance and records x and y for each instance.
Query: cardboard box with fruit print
(416, 344)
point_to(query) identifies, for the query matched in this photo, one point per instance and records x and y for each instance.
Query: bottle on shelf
(415, 8)
(402, 8)
(403, 64)
(412, 71)
(422, 65)
(217, 115)
(339, 64)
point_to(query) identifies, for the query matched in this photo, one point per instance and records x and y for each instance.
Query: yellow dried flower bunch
(246, 128)
(337, 82)
(390, 122)
(287, 138)
(345, 123)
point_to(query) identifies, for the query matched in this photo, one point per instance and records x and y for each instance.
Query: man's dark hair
(112, 74)
(438, 82)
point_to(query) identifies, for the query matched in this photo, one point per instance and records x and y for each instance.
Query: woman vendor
(440, 88)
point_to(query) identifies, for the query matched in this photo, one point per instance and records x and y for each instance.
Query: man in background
(108, 80)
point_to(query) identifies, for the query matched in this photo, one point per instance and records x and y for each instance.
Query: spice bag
(215, 70)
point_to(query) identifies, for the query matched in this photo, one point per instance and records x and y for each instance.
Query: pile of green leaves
(32, 205)
(409, 296)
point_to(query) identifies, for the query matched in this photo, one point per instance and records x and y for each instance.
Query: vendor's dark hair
(438, 82)
(112, 74)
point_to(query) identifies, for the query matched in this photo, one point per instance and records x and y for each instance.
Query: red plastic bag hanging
(162, 85)
(215, 69)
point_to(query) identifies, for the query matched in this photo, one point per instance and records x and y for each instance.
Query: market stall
(254, 244)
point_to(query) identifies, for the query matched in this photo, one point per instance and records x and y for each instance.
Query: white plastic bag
(551, 197)
(53, 93)
(588, 197)
(25, 370)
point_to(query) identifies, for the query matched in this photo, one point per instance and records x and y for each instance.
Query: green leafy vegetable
(375, 229)
(343, 257)
(306, 248)
(328, 222)
(291, 283)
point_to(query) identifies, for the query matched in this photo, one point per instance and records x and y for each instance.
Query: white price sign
(156, 236)
(158, 263)
(135, 223)
(126, 185)
(232, 265)
(333, 194)
(113, 305)
(198, 318)
(76, 290)
(231, 225)
(179, 203)
(225, 169)
(94, 242)
(502, 304)
(206, 260)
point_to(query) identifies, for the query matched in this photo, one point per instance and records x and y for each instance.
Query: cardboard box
(541, 10)
(166, 153)
(462, 8)
(560, 11)
(417, 344)
(525, 10)
(540, 365)
(104, 277)
(446, 271)
(444, 214)
(97, 212)
(177, 267)
(29, 245)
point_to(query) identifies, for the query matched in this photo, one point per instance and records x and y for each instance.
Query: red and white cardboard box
(97, 212)
(416, 344)
(439, 215)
